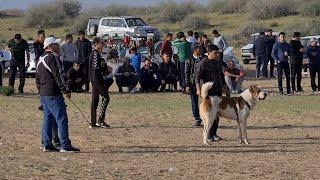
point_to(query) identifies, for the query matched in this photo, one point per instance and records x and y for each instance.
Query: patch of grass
(7, 90)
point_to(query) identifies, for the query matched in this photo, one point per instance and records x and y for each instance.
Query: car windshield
(135, 22)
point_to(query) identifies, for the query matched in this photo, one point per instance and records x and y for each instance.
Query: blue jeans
(194, 103)
(54, 109)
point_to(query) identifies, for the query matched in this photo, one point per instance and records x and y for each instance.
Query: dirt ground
(152, 137)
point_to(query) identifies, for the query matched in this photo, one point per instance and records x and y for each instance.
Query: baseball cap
(50, 40)
(195, 45)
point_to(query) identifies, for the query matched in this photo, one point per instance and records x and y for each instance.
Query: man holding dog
(210, 69)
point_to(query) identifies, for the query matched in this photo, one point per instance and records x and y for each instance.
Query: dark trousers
(271, 60)
(13, 71)
(195, 103)
(181, 69)
(283, 67)
(96, 92)
(214, 128)
(0, 75)
(74, 86)
(314, 70)
(296, 73)
(168, 79)
(262, 65)
(123, 81)
(85, 71)
(150, 84)
(67, 65)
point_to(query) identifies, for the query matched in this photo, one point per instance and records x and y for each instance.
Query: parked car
(31, 70)
(246, 51)
(99, 26)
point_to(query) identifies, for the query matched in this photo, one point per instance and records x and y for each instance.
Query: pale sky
(24, 4)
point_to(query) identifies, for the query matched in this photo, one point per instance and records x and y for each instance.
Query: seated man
(126, 76)
(148, 77)
(168, 73)
(75, 78)
(234, 77)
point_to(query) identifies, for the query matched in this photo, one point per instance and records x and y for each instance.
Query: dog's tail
(205, 88)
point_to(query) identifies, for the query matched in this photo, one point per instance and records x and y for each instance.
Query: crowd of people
(288, 56)
(73, 66)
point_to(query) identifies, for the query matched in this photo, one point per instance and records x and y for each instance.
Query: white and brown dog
(235, 108)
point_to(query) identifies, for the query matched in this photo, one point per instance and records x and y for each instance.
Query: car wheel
(245, 61)
(93, 30)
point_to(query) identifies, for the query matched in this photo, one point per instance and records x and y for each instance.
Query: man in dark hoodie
(38, 45)
(280, 53)
(210, 69)
(168, 72)
(98, 86)
(126, 76)
(190, 70)
(85, 48)
(296, 62)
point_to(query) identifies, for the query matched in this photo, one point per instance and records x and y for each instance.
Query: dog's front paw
(246, 142)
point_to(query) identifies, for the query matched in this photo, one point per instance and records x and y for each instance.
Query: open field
(152, 137)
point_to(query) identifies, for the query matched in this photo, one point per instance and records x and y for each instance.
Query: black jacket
(167, 69)
(95, 71)
(210, 71)
(260, 47)
(295, 49)
(190, 70)
(85, 49)
(72, 74)
(38, 50)
(50, 78)
(271, 40)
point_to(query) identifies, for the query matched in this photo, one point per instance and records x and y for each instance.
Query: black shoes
(69, 149)
(102, 125)
(50, 149)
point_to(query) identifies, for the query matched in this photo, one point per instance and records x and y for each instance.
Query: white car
(120, 25)
(246, 51)
(31, 70)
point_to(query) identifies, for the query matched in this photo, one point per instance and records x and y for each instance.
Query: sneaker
(197, 123)
(69, 149)
(103, 125)
(49, 149)
(91, 126)
(289, 94)
(216, 138)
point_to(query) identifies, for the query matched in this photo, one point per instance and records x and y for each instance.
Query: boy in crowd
(69, 52)
(18, 48)
(98, 86)
(84, 48)
(234, 77)
(313, 54)
(167, 46)
(190, 70)
(126, 76)
(220, 42)
(148, 77)
(168, 73)
(75, 78)
(135, 59)
(296, 62)
(191, 38)
(280, 53)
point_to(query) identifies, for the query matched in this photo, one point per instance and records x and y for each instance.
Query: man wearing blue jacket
(313, 54)
(280, 53)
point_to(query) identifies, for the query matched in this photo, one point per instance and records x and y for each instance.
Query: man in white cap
(51, 84)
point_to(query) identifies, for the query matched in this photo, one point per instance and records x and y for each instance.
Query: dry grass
(152, 137)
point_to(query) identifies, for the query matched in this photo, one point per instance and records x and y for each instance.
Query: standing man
(167, 46)
(296, 61)
(19, 48)
(313, 54)
(184, 49)
(190, 70)
(260, 52)
(271, 40)
(69, 53)
(220, 42)
(84, 48)
(51, 84)
(38, 45)
(98, 86)
(280, 53)
(210, 69)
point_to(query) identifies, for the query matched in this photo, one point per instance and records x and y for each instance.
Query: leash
(80, 111)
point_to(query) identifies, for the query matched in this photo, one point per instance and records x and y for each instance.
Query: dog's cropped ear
(251, 89)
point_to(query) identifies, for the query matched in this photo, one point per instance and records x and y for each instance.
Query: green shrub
(306, 27)
(196, 22)
(311, 9)
(250, 28)
(216, 5)
(274, 24)
(7, 90)
(233, 6)
(267, 9)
